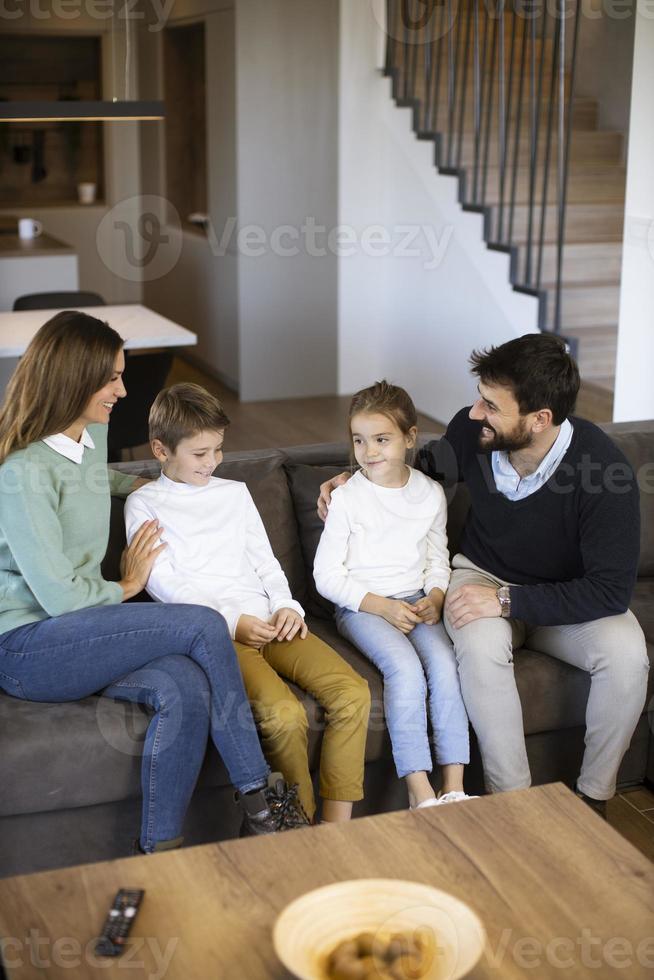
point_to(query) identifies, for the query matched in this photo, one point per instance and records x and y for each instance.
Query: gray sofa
(70, 772)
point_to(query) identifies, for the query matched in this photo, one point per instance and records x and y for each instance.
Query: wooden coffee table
(560, 893)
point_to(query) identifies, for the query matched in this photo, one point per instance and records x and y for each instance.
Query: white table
(138, 326)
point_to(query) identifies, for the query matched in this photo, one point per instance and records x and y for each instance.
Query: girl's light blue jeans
(420, 675)
(177, 659)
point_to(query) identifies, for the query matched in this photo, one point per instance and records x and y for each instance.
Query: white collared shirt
(512, 485)
(65, 446)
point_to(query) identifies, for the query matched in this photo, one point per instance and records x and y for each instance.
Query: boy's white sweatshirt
(388, 541)
(218, 553)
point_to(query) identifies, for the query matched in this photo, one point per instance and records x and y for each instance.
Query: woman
(65, 632)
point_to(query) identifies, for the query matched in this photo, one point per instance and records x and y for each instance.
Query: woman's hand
(288, 623)
(431, 607)
(138, 558)
(254, 632)
(326, 493)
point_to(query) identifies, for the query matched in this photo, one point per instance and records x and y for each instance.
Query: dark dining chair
(57, 301)
(144, 376)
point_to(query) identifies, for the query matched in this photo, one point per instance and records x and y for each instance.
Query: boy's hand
(254, 632)
(431, 607)
(288, 622)
(326, 493)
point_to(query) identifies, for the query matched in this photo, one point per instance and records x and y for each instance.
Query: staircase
(494, 90)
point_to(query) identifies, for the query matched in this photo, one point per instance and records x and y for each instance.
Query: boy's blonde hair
(182, 411)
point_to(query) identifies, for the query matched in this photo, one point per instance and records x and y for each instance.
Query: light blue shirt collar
(512, 485)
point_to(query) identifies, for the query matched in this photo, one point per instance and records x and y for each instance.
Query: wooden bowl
(309, 929)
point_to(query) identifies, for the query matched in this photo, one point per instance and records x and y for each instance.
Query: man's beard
(510, 442)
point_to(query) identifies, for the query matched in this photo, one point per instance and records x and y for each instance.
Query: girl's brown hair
(389, 400)
(71, 358)
(385, 399)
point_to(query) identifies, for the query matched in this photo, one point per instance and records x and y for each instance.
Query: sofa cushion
(59, 756)
(642, 606)
(634, 439)
(264, 476)
(304, 482)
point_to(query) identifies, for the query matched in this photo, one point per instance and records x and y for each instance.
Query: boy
(218, 555)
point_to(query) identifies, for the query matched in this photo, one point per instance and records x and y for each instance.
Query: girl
(66, 632)
(383, 561)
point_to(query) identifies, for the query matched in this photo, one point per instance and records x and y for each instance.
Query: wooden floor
(632, 814)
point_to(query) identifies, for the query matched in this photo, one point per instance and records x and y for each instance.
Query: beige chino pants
(612, 650)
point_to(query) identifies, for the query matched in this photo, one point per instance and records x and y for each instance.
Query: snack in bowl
(401, 956)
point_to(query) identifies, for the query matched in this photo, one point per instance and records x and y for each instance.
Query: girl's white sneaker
(432, 801)
(454, 796)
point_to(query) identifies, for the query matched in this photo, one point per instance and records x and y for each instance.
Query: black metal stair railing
(491, 83)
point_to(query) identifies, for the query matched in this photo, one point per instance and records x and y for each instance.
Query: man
(548, 558)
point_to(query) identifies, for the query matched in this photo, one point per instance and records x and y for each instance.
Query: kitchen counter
(13, 247)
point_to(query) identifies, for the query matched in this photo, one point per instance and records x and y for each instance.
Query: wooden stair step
(597, 349)
(583, 188)
(587, 147)
(421, 43)
(583, 262)
(595, 400)
(584, 222)
(584, 113)
(586, 306)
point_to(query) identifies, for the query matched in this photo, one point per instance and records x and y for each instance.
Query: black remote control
(119, 922)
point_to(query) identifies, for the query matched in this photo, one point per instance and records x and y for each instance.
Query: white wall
(287, 156)
(397, 318)
(266, 325)
(201, 290)
(634, 392)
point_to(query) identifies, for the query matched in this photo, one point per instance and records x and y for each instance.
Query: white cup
(29, 228)
(86, 192)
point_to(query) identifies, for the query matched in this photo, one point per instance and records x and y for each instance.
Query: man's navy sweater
(571, 547)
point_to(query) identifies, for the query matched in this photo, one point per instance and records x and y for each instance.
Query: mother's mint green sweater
(54, 530)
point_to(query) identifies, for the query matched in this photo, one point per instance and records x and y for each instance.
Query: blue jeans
(177, 659)
(419, 670)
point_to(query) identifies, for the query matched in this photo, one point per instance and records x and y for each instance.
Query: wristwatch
(504, 596)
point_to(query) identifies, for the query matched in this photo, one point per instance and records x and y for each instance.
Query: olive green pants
(283, 722)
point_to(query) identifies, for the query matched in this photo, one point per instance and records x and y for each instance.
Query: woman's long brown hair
(70, 359)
